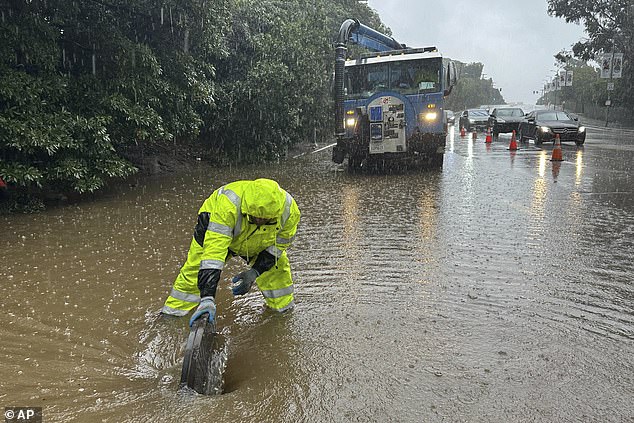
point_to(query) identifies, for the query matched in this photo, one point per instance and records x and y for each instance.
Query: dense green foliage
(85, 85)
(83, 81)
(472, 90)
(274, 86)
(610, 26)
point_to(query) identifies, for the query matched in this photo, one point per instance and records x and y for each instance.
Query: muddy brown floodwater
(497, 289)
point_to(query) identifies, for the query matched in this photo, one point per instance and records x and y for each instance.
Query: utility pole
(556, 88)
(611, 69)
(608, 102)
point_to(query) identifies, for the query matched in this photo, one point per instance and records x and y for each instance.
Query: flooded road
(496, 289)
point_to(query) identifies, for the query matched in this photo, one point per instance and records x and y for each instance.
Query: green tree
(82, 83)
(610, 26)
(472, 90)
(88, 88)
(587, 89)
(274, 83)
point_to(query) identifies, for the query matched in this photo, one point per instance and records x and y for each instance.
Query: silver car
(477, 119)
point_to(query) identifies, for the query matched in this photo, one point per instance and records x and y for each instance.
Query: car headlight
(429, 116)
(498, 120)
(471, 121)
(350, 122)
(582, 129)
(544, 128)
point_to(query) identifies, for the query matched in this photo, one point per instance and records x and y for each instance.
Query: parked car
(505, 119)
(543, 125)
(474, 119)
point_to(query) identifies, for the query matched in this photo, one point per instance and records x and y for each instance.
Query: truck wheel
(338, 154)
(437, 160)
(353, 164)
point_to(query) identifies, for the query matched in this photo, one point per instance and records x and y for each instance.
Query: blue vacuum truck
(389, 102)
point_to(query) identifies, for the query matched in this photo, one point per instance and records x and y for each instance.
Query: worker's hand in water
(207, 305)
(242, 281)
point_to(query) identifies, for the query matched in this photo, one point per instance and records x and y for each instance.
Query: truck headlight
(429, 116)
(544, 128)
(582, 129)
(350, 122)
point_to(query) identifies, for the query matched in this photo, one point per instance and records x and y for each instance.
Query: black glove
(264, 262)
(243, 281)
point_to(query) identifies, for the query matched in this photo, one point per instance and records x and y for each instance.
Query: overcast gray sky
(515, 39)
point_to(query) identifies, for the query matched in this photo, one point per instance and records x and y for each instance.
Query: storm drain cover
(205, 359)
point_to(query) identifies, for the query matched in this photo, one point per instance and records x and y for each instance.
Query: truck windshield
(418, 76)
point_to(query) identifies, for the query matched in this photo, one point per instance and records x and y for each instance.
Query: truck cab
(391, 106)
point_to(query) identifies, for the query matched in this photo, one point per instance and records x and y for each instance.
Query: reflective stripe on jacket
(229, 229)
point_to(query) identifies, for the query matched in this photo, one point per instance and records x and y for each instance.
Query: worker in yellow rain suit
(256, 220)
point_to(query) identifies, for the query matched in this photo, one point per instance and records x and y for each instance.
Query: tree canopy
(610, 27)
(85, 83)
(472, 89)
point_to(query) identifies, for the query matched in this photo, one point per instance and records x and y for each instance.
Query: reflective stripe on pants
(276, 285)
(185, 294)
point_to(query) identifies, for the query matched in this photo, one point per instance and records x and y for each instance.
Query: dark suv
(505, 119)
(545, 125)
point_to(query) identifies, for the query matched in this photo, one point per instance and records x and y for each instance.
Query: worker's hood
(263, 198)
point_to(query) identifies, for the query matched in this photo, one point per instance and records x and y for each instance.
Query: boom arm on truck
(365, 36)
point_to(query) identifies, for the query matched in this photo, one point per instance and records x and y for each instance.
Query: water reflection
(538, 202)
(575, 212)
(578, 167)
(352, 258)
(470, 149)
(351, 221)
(428, 215)
(556, 168)
(452, 139)
(542, 160)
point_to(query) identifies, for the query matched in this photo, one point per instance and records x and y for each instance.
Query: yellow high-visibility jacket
(224, 229)
(228, 227)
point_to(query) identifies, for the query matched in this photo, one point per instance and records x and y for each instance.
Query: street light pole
(608, 102)
(555, 87)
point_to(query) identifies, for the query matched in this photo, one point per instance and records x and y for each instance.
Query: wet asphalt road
(496, 289)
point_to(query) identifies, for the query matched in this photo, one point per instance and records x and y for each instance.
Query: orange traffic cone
(556, 167)
(463, 132)
(557, 154)
(488, 138)
(474, 134)
(513, 143)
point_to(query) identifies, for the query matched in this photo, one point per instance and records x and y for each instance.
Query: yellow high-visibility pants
(276, 285)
